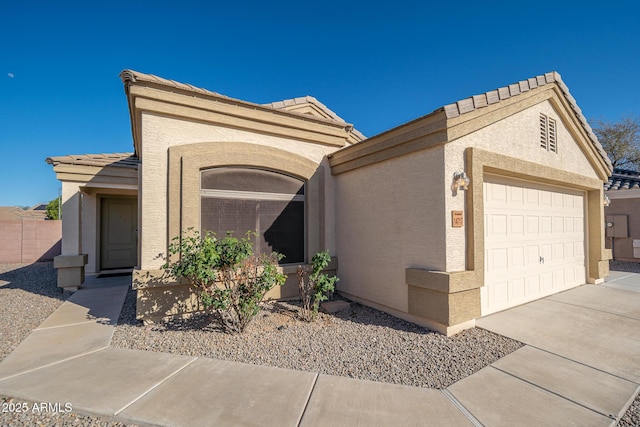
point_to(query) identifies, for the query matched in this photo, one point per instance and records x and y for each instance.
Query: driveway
(581, 361)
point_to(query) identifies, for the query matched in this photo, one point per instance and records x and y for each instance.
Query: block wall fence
(29, 240)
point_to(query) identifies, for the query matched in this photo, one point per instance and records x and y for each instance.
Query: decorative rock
(334, 306)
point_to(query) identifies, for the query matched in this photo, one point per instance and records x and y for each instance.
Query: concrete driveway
(581, 361)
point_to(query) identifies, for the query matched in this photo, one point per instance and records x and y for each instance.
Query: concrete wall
(29, 240)
(391, 217)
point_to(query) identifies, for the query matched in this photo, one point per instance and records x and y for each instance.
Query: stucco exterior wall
(624, 209)
(71, 206)
(390, 218)
(159, 133)
(516, 136)
(90, 229)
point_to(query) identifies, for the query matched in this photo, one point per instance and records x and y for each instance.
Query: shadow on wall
(52, 252)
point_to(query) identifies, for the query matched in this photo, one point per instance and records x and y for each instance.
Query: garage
(534, 242)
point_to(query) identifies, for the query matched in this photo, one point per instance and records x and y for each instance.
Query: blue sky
(377, 65)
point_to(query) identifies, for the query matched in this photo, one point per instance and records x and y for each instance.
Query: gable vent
(548, 134)
(553, 147)
(543, 131)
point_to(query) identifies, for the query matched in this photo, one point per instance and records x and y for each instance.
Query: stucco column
(71, 262)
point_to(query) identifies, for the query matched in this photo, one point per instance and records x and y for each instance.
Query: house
(38, 211)
(481, 205)
(623, 223)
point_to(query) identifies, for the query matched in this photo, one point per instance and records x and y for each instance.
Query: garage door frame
(535, 241)
(480, 162)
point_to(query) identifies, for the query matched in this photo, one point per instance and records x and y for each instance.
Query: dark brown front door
(118, 233)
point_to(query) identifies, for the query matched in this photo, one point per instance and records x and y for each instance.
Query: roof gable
(453, 121)
(500, 94)
(304, 118)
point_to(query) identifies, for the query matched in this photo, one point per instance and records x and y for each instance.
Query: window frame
(258, 195)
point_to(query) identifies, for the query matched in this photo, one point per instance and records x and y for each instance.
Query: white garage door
(534, 242)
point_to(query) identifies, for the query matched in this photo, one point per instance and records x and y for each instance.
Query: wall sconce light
(606, 201)
(460, 182)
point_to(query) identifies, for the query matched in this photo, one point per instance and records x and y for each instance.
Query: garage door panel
(499, 293)
(516, 257)
(534, 243)
(546, 281)
(533, 255)
(558, 224)
(533, 284)
(498, 225)
(517, 225)
(557, 200)
(569, 275)
(569, 224)
(569, 252)
(498, 260)
(516, 195)
(517, 289)
(558, 252)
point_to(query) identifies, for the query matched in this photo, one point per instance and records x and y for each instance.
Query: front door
(118, 233)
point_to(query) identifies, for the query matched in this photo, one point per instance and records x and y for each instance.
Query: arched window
(239, 199)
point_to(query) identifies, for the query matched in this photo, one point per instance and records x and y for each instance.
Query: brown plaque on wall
(457, 219)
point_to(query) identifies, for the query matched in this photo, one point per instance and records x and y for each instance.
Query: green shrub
(232, 280)
(318, 285)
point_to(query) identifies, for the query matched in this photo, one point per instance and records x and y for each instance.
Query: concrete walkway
(581, 366)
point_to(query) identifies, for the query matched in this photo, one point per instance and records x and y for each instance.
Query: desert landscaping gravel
(28, 295)
(359, 342)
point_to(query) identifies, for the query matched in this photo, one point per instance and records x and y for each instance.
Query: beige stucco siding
(391, 218)
(90, 229)
(516, 136)
(159, 133)
(71, 205)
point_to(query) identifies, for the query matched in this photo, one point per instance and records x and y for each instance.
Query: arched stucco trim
(186, 162)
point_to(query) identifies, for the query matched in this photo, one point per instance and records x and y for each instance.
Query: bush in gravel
(317, 286)
(233, 281)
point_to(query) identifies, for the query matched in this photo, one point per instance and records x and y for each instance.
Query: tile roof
(125, 160)
(287, 104)
(16, 212)
(623, 179)
(494, 96)
(134, 76)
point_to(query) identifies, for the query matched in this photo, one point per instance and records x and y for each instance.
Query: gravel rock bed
(359, 343)
(629, 267)
(33, 417)
(631, 418)
(28, 295)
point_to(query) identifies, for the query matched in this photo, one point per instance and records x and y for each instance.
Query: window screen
(236, 199)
